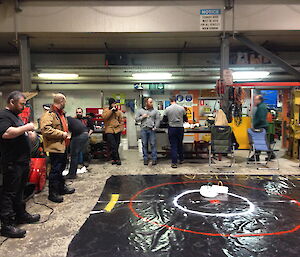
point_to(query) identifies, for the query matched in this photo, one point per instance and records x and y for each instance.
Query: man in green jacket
(260, 116)
(260, 121)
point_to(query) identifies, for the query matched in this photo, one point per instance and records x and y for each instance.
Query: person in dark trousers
(260, 122)
(113, 125)
(84, 156)
(54, 128)
(150, 120)
(87, 121)
(15, 158)
(175, 115)
(79, 140)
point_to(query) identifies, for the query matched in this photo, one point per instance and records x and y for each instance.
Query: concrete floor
(53, 237)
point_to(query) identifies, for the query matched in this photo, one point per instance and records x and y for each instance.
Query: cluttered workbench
(193, 143)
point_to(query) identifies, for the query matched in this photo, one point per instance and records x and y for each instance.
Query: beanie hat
(111, 101)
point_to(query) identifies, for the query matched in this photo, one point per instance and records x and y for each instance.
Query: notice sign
(210, 19)
(189, 113)
(227, 77)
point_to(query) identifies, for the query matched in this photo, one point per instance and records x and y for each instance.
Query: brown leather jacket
(52, 131)
(113, 121)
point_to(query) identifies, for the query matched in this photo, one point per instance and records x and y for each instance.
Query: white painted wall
(145, 16)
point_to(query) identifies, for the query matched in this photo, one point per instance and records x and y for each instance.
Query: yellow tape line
(113, 200)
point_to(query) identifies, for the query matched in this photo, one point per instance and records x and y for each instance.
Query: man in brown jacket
(54, 128)
(114, 125)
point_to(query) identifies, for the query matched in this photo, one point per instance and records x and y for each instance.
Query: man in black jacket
(15, 157)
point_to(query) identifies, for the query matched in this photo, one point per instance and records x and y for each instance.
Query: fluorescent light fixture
(152, 75)
(248, 75)
(58, 76)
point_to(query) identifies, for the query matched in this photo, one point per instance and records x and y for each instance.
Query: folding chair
(221, 143)
(259, 142)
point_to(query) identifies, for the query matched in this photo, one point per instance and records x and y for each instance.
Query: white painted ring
(251, 207)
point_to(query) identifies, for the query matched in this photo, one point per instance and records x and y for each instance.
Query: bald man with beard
(54, 128)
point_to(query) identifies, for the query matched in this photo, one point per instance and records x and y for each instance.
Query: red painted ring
(277, 233)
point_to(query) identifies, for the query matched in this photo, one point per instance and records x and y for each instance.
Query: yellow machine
(241, 132)
(295, 125)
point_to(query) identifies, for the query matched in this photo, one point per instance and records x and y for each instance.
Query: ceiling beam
(266, 53)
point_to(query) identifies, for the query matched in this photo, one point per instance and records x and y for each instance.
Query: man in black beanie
(113, 125)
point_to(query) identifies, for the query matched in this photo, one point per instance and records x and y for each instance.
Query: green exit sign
(157, 88)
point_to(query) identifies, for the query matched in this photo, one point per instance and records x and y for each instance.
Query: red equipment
(38, 173)
(25, 115)
(220, 87)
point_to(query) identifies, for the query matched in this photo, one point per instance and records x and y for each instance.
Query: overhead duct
(9, 61)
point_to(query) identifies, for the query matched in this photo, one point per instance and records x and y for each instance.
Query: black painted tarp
(259, 217)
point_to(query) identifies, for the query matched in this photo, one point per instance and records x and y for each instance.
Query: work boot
(71, 176)
(9, 229)
(54, 195)
(146, 162)
(119, 162)
(114, 162)
(65, 190)
(154, 162)
(251, 159)
(27, 218)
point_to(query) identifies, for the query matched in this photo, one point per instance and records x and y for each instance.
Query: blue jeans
(78, 144)
(148, 135)
(84, 157)
(176, 142)
(80, 158)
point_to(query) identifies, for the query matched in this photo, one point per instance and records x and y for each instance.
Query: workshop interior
(149, 128)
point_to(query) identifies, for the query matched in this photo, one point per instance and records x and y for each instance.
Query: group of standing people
(58, 131)
(15, 143)
(56, 128)
(149, 118)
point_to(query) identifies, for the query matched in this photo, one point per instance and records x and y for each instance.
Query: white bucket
(213, 190)
(140, 147)
(208, 191)
(124, 144)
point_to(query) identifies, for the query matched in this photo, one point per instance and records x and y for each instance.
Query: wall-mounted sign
(120, 98)
(179, 98)
(167, 104)
(227, 77)
(188, 98)
(210, 19)
(189, 113)
(157, 88)
(185, 99)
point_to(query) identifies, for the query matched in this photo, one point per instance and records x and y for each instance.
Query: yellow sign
(120, 98)
(189, 113)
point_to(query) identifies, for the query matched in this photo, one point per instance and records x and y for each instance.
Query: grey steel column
(25, 63)
(225, 104)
